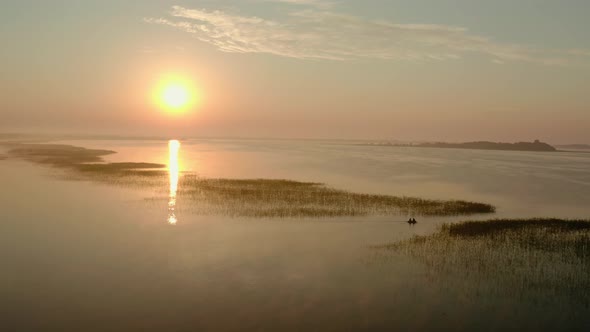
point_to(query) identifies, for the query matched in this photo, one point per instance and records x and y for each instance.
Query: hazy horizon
(52, 136)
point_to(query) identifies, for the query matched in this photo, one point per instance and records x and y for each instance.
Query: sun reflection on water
(174, 172)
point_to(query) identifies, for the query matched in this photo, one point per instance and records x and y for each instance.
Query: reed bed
(57, 154)
(285, 198)
(539, 258)
(259, 198)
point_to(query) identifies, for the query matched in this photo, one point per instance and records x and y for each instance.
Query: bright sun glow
(176, 95)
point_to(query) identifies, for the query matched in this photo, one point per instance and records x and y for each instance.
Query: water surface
(79, 255)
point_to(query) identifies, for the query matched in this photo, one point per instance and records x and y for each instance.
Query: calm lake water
(82, 256)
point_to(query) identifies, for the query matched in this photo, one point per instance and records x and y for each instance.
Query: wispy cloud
(321, 4)
(316, 32)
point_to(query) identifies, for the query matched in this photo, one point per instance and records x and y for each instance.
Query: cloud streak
(313, 3)
(317, 33)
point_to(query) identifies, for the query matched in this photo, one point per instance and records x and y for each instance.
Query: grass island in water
(545, 257)
(236, 197)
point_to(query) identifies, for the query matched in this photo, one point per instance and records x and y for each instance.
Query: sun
(176, 95)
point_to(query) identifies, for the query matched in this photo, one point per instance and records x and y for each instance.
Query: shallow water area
(81, 255)
(519, 184)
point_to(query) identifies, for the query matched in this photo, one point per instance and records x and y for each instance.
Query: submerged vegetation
(530, 257)
(234, 197)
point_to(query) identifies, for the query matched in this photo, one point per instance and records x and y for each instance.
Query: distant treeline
(482, 145)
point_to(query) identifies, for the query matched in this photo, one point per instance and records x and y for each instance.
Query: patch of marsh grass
(121, 170)
(545, 258)
(88, 164)
(239, 198)
(285, 198)
(58, 154)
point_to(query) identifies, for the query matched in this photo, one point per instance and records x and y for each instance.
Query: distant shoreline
(536, 146)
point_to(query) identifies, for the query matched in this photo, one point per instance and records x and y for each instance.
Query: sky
(419, 70)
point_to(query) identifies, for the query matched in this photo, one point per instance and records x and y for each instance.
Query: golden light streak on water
(174, 172)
